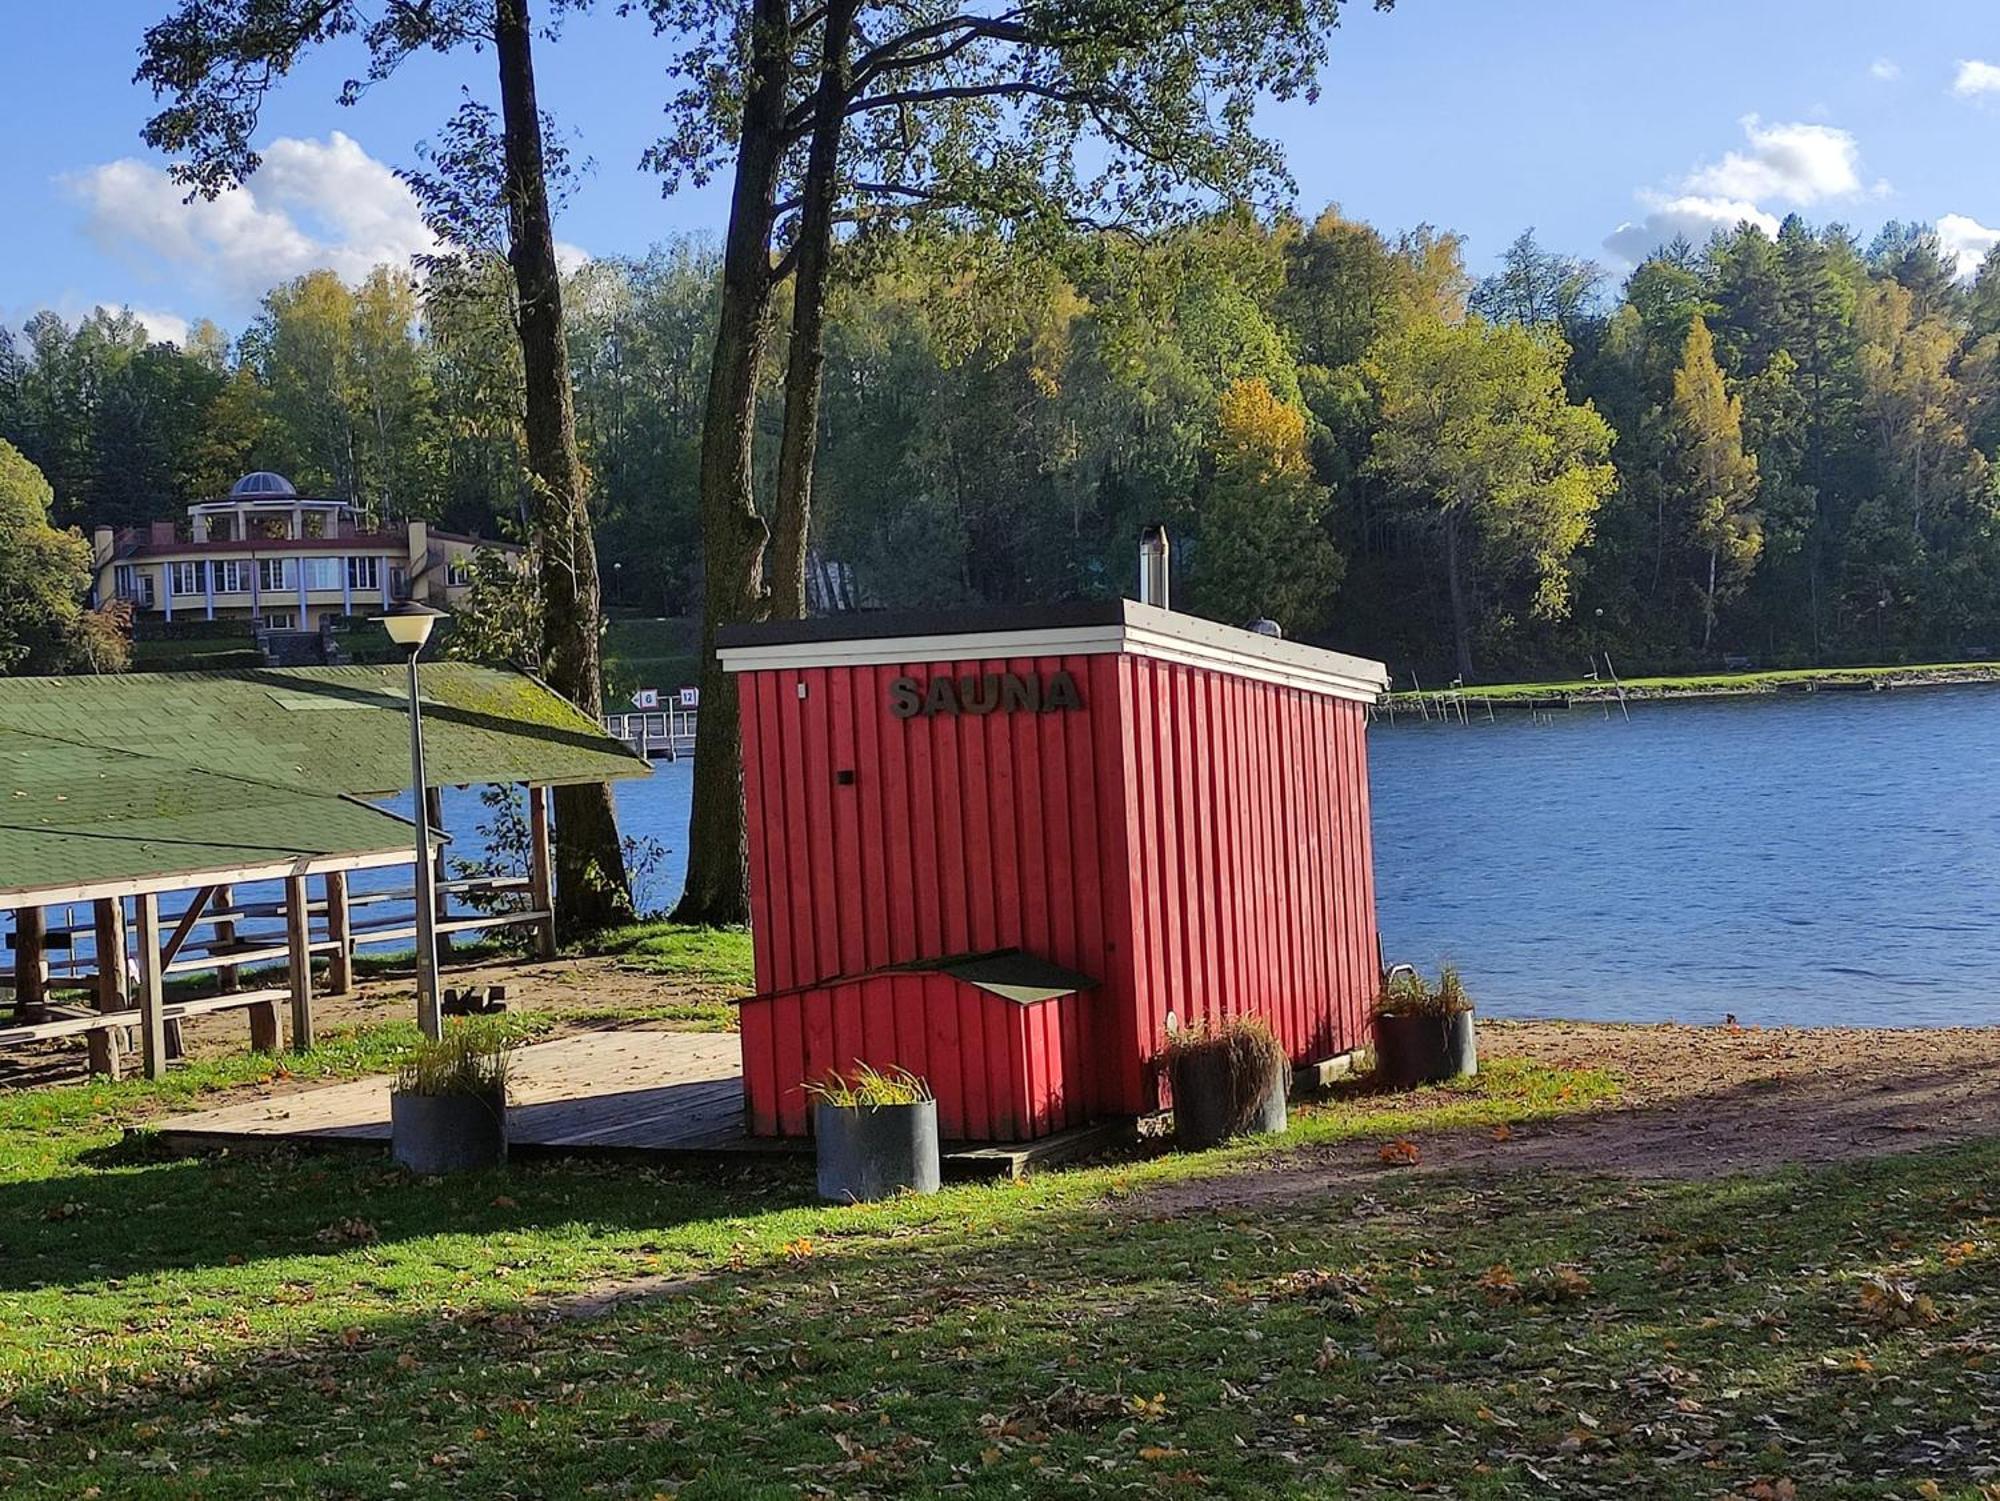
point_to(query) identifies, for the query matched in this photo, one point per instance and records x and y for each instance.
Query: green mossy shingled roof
(327, 729)
(140, 775)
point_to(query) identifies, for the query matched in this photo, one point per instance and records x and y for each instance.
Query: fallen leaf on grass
(1403, 1153)
(1896, 1304)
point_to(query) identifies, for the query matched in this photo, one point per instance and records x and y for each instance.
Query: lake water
(1829, 859)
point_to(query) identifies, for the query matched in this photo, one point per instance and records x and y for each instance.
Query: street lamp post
(409, 626)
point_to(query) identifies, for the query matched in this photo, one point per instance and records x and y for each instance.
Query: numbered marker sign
(646, 698)
(690, 698)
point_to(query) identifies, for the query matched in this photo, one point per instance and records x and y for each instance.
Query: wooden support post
(541, 872)
(152, 1025)
(340, 930)
(113, 985)
(298, 936)
(31, 959)
(225, 933)
(441, 900)
(107, 1052)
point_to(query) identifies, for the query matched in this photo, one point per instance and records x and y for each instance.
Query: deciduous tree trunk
(1461, 625)
(733, 534)
(806, 363)
(592, 890)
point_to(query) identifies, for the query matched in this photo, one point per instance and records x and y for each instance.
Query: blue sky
(1605, 124)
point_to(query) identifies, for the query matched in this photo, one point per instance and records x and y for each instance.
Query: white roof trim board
(1135, 630)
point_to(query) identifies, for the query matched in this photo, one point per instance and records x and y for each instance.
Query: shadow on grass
(142, 1212)
(995, 1346)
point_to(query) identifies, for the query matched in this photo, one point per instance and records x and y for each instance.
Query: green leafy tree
(1028, 118)
(1482, 446)
(1718, 479)
(1261, 548)
(44, 575)
(213, 61)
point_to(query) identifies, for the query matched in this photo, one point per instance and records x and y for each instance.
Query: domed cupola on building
(261, 485)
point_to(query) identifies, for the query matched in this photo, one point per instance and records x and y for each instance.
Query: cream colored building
(286, 561)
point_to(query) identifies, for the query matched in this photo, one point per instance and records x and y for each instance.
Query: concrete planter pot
(1206, 1108)
(448, 1133)
(1425, 1048)
(872, 1151)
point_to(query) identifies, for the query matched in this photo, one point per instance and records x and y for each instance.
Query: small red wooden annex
(1009, 851)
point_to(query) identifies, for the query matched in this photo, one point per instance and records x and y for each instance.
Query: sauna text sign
(984, 693)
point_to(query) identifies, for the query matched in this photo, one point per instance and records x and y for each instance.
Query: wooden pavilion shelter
(116, 791)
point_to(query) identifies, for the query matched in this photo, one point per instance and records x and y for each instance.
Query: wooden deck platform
(631, 1094)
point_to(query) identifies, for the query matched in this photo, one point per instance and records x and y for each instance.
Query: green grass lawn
(709, 956)
(325, 1326)
(643, 652)
(1728, 682)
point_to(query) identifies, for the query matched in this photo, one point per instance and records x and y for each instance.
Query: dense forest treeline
(1777, 447)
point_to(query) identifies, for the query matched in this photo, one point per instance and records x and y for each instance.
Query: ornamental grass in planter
(1228, 1080)
(448, 1108)
(875, 1134)
(1424, 1034)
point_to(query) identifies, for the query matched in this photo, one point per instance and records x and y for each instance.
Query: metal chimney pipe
(1154, 556)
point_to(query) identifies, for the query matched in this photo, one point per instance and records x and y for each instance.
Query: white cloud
(312, 204)
(1966, 240)
(1688, 214)
(1796, 163)
(1785, 164)
(162, 328)
(1975, 77)
(1887, 69)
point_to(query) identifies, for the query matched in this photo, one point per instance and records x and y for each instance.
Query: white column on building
(167, 589)
(256, 587)
(382, 577)
(303, 572)
(208, 585)
(347, 586)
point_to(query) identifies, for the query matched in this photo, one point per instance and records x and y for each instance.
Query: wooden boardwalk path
(594, 1093)
(632, 1094)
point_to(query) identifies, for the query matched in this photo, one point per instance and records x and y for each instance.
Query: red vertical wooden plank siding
(843, 854)
(788, 1032)
(1061, 870)
(871, 687)
(913, 1050)
(1312, 909)
(760, 1067)
(972, 814)
(796, 961)
(900, 875)
(954, 852)
(760, 1071)
(1196, 840)
(949, 1066)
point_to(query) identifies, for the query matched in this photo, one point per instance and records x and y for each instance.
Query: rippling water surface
(1832, 858)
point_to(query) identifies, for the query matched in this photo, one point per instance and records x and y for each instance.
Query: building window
(322, 573)
(135, 586)
(399, 583)
(458, 573)
(275, 575)
(279, 620)
(364, 573)
(188, 578)
(228, 577)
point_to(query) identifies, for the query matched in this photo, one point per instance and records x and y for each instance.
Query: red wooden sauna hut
(1008, 851)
